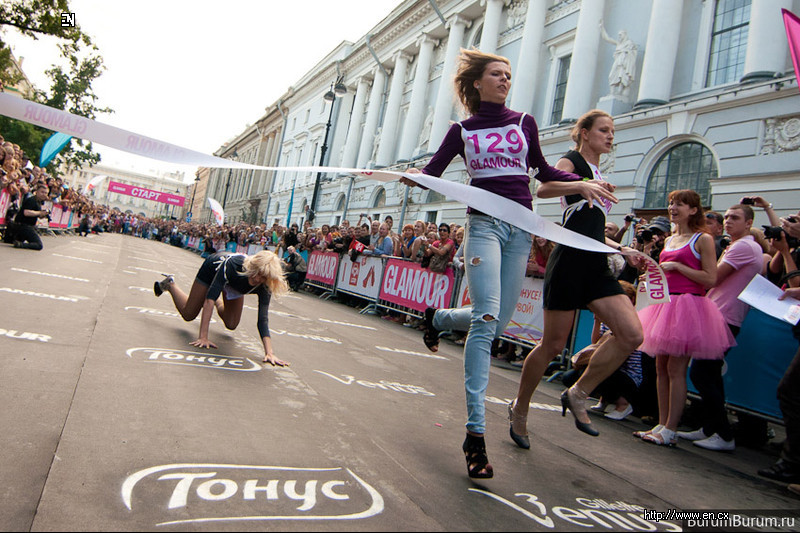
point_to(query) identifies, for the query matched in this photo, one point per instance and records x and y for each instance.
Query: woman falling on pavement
(222, 281)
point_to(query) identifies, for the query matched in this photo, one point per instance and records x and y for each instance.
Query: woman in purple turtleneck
(499, 147)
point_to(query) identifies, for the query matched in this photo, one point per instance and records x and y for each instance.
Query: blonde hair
(586, 122)
(268, 265)
(471, 65)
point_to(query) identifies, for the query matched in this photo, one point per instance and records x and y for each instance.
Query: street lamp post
(337, 89)
(234, 156)
(194, 191)
(177, 192)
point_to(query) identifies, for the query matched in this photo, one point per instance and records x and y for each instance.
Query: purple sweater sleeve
(536, 158)
(452, 145)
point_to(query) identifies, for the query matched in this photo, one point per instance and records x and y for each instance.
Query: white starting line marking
(158, 312)
(129, 272)
(301, 336)
(146, 260)
(93, 244)
(347, 324)
(143, 289)
(90, 251)
(148, 270)
(39, 294)
(79, 258)
(417, 354)
(48, 274)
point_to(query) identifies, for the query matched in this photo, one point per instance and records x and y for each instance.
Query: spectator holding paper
(499, 146)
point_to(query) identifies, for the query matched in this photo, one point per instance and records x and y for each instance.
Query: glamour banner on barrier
(409, 285)
(322, 267)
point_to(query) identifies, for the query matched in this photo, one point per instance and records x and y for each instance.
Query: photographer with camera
(30, 211)
(787, 468)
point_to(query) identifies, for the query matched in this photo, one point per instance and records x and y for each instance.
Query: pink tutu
(688, 326)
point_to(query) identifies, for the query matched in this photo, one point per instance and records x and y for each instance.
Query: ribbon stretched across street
(127, 141)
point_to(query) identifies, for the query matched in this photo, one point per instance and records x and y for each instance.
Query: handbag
(438, 263)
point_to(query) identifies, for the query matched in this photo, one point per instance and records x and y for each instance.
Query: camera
(792, 219)
(776, 232)
(724, 242)
(748, 201)
(773, 232)
(644, 236)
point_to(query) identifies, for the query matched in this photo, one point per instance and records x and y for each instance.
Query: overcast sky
(196, 72)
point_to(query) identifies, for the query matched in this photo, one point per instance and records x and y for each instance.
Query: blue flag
(52, 146)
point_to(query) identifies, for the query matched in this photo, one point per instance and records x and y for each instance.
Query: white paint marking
(48, 274)
(79, 258)
(39, 294)
(347, 324)
(417, 354)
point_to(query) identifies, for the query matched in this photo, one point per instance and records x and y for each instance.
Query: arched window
(340, 203)
(685, 166)
(380, 198)
(434, 197)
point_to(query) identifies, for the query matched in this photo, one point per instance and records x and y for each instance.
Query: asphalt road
(111, 421)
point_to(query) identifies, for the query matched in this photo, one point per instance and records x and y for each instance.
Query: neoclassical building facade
(702, 92)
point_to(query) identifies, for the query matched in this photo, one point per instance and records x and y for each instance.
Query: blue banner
(54, 144)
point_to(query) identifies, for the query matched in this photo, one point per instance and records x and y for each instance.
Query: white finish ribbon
(127, 141)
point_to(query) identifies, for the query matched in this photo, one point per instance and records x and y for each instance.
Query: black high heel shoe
(582, 426)
(521, 440)
(477, 462)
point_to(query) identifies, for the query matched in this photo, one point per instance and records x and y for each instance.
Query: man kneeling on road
(29, 212)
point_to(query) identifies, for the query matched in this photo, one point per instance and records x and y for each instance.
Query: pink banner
(322, 267)
(5, 199)
(147, 194)
(792, 24)
(55, 216)
(409, 285)
(65, 216)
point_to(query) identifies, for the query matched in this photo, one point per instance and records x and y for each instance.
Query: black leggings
(706, 375)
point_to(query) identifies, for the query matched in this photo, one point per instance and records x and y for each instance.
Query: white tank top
(494, 152)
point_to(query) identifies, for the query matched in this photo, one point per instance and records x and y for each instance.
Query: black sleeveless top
(578, 216)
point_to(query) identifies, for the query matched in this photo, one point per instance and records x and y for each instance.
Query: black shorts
(209, 268)
(574, 278)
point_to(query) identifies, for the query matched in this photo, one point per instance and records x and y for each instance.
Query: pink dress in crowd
(689, 325)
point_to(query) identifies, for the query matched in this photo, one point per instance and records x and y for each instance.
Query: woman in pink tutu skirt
(689, 325)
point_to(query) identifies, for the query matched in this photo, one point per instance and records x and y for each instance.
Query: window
(561, 89)
(685, 166)
(380, 199)
(728, 42)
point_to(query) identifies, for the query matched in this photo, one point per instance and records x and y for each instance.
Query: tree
(71, 90)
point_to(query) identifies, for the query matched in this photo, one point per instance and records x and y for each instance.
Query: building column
(767, 45)
(354, 131)
(491, 25)
(416, 108)
(373, 114)
(660, 53)
(444, 99)
(388, 139)
(527, 69)
(583, 65)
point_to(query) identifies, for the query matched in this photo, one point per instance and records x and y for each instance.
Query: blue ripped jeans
(495, 256)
